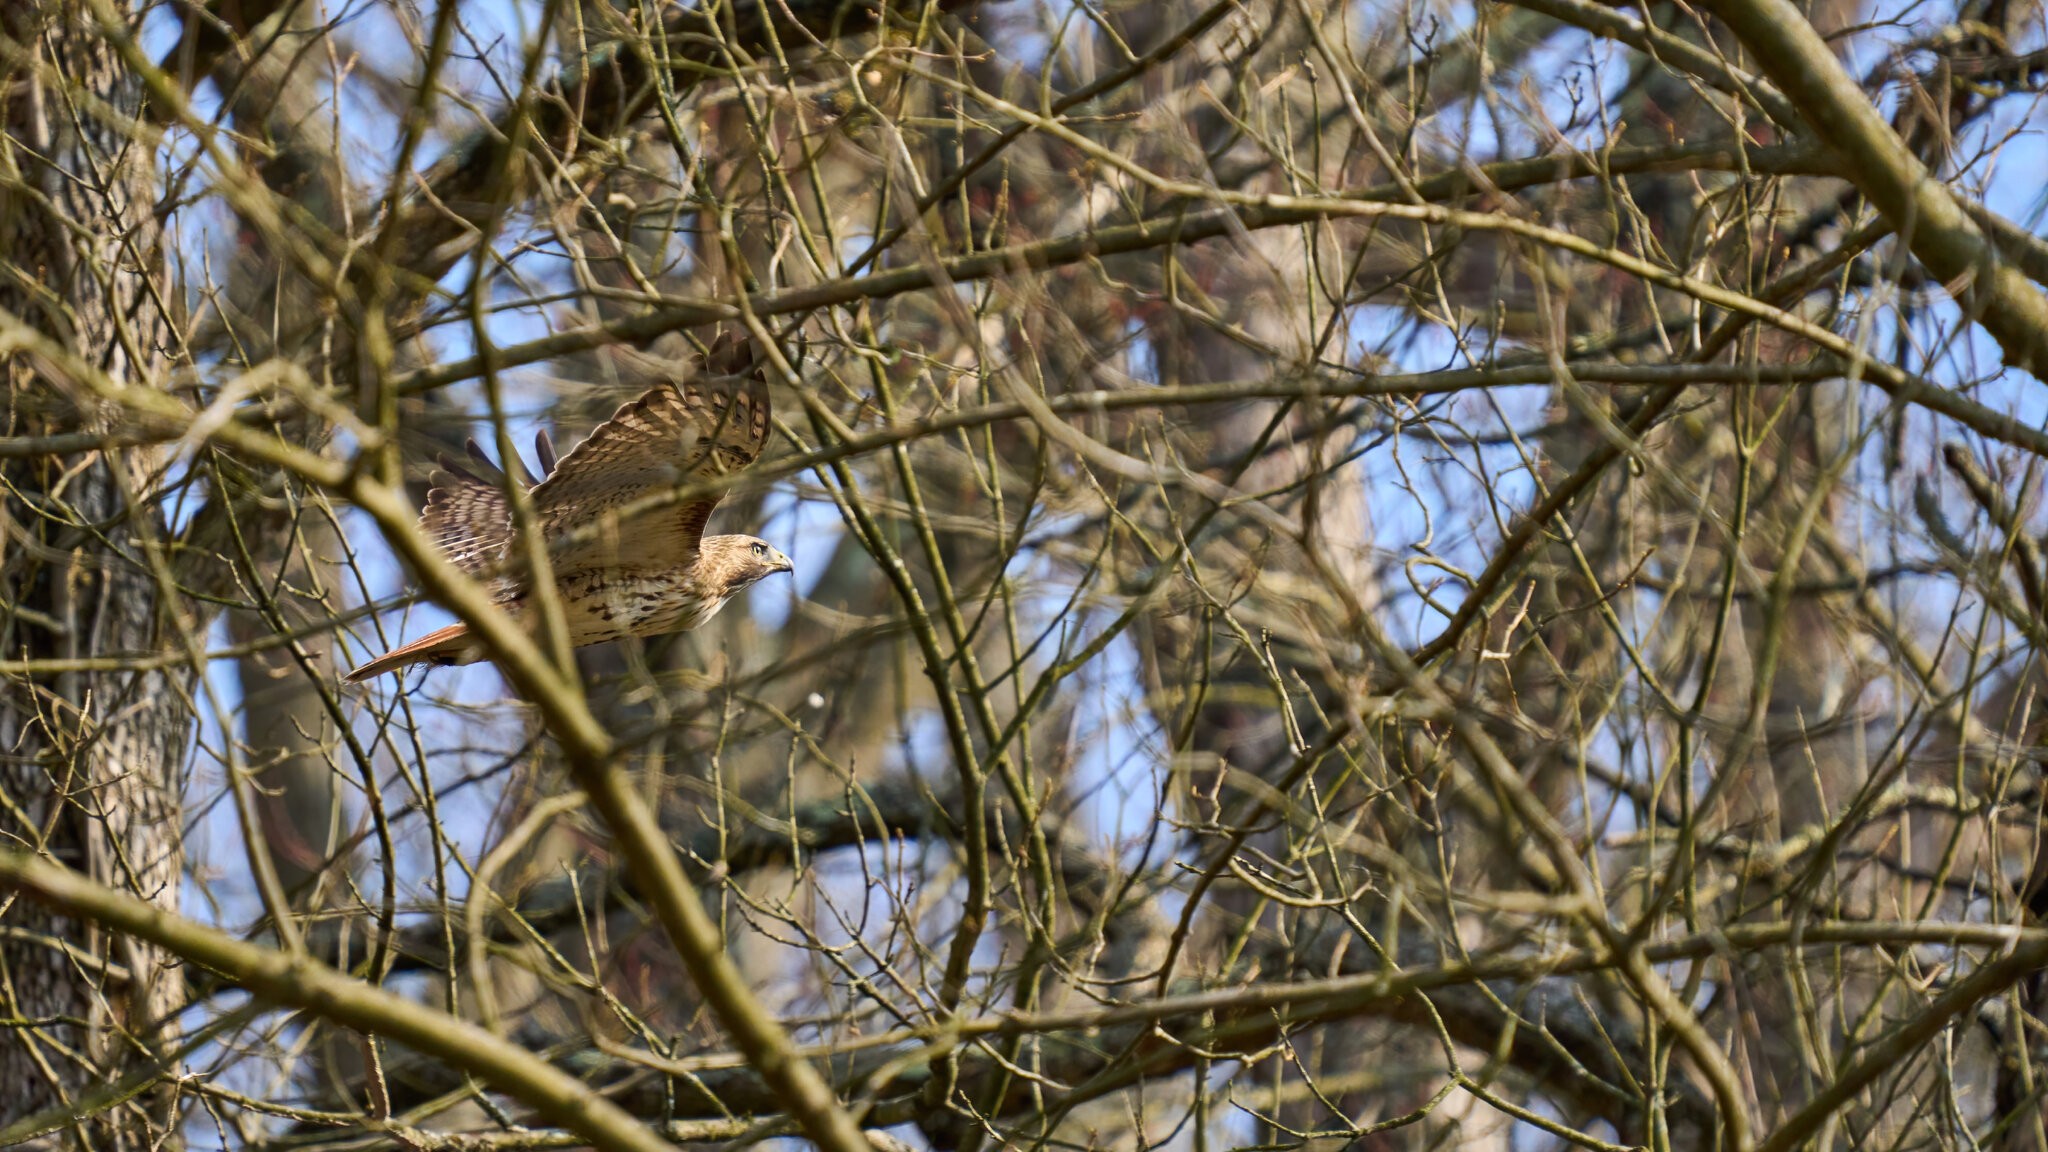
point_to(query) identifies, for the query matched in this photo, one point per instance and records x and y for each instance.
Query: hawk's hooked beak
(777, 562)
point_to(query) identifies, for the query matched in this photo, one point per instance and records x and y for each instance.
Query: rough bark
(88, 759)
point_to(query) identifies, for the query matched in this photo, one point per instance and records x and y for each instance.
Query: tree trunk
(91, 757)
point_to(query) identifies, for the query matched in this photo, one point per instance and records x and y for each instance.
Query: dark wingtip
(461, 470)
(481, 459)
(731, 354)
(544, 452)
(513, 464)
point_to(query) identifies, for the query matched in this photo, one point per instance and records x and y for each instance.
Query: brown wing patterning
(671, 435)
(467, 518)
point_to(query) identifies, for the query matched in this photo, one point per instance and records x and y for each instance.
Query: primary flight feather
(617, 571)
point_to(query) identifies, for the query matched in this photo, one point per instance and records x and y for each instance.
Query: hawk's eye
(760, 549)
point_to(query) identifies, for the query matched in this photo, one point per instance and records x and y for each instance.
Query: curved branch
(301, 982)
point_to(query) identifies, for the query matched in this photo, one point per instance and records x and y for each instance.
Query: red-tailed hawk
(616, 573)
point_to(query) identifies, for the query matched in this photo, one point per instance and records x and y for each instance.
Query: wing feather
(467, 518)
(672, 435)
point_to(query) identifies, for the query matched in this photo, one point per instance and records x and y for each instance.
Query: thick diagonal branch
(1932, 220)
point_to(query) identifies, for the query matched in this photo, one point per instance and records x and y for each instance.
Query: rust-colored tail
(445, 646)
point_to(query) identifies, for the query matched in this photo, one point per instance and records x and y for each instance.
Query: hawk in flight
(619, 569)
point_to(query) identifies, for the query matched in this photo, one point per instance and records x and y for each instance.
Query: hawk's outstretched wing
(467, 516)
(674, 434)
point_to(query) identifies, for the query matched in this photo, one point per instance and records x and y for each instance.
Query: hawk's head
(733, 562)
